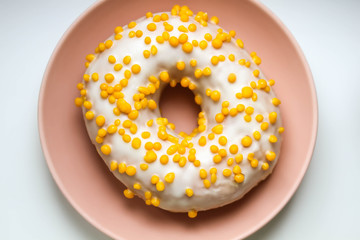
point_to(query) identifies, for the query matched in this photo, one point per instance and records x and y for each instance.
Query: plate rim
(255, 227)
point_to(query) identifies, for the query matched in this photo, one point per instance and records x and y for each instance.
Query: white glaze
(173, 198)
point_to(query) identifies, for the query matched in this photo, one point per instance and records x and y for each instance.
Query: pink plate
(97, 195)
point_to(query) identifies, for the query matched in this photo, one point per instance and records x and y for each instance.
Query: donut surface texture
(237, 141)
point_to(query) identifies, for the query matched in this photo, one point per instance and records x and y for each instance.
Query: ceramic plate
(90, 187)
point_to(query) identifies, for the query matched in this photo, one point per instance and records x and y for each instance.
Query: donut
(237, 141)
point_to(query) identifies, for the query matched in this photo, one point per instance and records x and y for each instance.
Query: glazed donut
(237, 141)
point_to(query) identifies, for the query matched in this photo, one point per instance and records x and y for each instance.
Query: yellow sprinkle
(239, 158)
(146, 53)
(240, 43)
(265, 166)
(183, 38)
(131, 24)
(221, 58)
(182, 28)
(232, 57)
(257, 135)
(281, 129)
(157, 18)
(272, 139)
(151, 27)
(112, 129)
(256, 73)
(155, 201)
(222, 153)
(164, 159)
(233, 149)
(276, 102)
(155, 179)
(214, 20)
(182, 161)
(130, 171)
(227, 172)
(126, 138)
(100, 121)
(193, 62)
(180, 65)
(214, 149)
(215, 95)
(237, 169)
(169, 178)
(214, 59)
(78, 102)
(271, 82)
(198, 73)
(208, 37)
(222, 140)
(174, 41)
(197, 163)
(160, 186)
(144, 166)
(246, 141)
(239, 178)
(118, 67)
(206, 183)
(118, 29)
(230, 161)
(217, 43)
(128, 193)
(189, 192)
(132, 34)
(160, 39)
(218, 129)
(164, 76)
(247, 92)
(192, 214)
(202, 141)
(257, 60)
(147, 40)
(118, 36)
(164, 17)
(127, 59)
(136, 143)
(184, 17)
(217, 158)
(169, 27)
(203, 173)
(259, 118)
(150, 156)
(207, 71)
(270, 156)
(90, 57)
(152, 104)
(187, 47)
(233, 112)
(254, 163)
(264, 126)
(106, 149)
(108, 44)
(89, 115)
(137, 186)
(153, 50)
(113, 165)
(232, 77)
(272, 117)
(192, 27)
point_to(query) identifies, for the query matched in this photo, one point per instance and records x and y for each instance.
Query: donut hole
(177, 104)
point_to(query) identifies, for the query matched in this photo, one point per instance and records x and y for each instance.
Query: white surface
(325, 206)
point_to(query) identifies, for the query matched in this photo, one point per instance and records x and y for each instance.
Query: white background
(326, 205)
